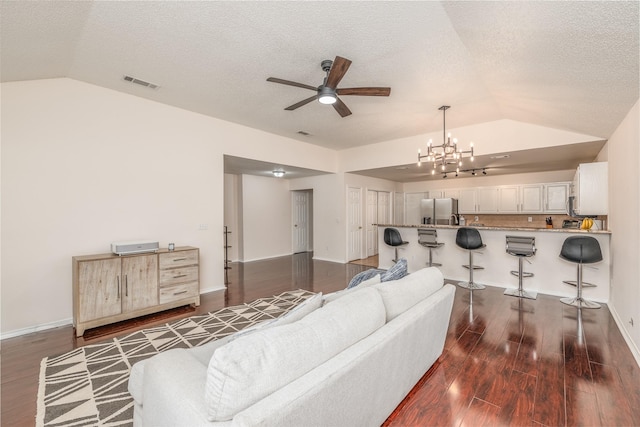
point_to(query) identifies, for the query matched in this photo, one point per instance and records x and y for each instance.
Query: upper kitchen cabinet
(509, 199)
(467, 200)
(555, 196)
(532, 198)
(451, 194)
(590, 189)
(436, 194)
(487, 200)
(412, 207)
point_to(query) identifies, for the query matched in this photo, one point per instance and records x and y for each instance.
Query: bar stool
(393, 238)
(469, 239)
(580, 250)
(428, 237)
(521, 247)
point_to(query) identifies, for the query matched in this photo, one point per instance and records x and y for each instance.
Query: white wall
(83, 166)
(231, 214)
(624, 205)
(266, 219)
(329, 235)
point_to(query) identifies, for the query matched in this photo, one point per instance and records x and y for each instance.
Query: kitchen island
(548, 268)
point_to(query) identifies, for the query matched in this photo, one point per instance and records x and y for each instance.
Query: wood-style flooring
(506, 361)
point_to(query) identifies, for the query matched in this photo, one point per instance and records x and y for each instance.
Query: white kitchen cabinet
(509, 199)
(412, 213)
(435, 194)
(555, 197)
(487, 200)
(451, 194)
(590, 189)
(467, 200)
(531, 198)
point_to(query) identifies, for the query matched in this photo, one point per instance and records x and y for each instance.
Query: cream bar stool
(521, 247)
(428, 237)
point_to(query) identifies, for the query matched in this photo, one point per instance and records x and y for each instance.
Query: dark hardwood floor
(506, 361)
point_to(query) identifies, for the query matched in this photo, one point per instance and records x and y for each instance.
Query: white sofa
(348, 363)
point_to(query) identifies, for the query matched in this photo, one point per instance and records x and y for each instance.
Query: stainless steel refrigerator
(439, 211)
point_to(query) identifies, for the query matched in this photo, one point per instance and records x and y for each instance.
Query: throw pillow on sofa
(339, 294)
(397, 271)
(364, 276)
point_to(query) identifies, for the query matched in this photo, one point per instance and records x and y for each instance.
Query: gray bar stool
(469, 239)
(393, 238)
(428, 237)
(521, 247)
(581, 250)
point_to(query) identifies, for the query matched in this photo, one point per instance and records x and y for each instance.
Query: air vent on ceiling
(140, 82)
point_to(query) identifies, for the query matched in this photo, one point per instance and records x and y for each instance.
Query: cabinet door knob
(118, 278)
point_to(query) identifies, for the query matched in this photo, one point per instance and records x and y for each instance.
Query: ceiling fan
(327, 92)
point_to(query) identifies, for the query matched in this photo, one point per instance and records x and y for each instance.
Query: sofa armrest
(173, 390)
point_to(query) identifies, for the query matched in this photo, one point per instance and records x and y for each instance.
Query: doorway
(301, 221)
(378, 212)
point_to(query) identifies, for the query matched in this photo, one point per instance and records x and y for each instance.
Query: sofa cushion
(204, 352)
(397, 271)
(254, 366)
(400, 295)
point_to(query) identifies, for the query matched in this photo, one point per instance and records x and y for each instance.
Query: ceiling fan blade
(301, 103)
(338, 70)
(365, 91)
(341, 108)
(290, 83)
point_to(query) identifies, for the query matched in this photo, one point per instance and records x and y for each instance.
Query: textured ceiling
(565, 65)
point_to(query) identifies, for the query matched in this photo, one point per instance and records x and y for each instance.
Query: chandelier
(447, 153)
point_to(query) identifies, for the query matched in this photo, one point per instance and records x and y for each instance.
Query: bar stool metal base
(521, 293)
(584, 284)
(472, 285)
(579, 302)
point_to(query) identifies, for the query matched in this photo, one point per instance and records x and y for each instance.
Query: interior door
(372, 218)
(300, 218)
(384, 207)
(354, 219)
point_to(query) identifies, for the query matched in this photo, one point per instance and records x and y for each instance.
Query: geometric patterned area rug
(88, 386)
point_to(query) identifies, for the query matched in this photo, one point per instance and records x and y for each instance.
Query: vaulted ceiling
(566, 65)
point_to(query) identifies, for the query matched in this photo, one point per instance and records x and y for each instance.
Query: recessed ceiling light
(501, 156)
(402, 168)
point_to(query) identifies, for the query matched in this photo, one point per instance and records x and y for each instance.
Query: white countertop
(482, 227)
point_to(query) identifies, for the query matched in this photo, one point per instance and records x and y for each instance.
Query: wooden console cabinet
(108, 288)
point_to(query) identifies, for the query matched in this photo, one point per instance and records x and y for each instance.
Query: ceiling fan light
(327, 96)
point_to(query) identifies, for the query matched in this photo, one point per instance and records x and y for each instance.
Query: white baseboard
(632, 346)
(329, 260)
(36, 328)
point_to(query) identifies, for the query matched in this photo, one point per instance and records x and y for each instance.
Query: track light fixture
(445, 173)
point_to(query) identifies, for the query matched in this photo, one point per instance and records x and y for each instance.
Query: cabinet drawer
(179, 275)
(178, 259)
(178, 292)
